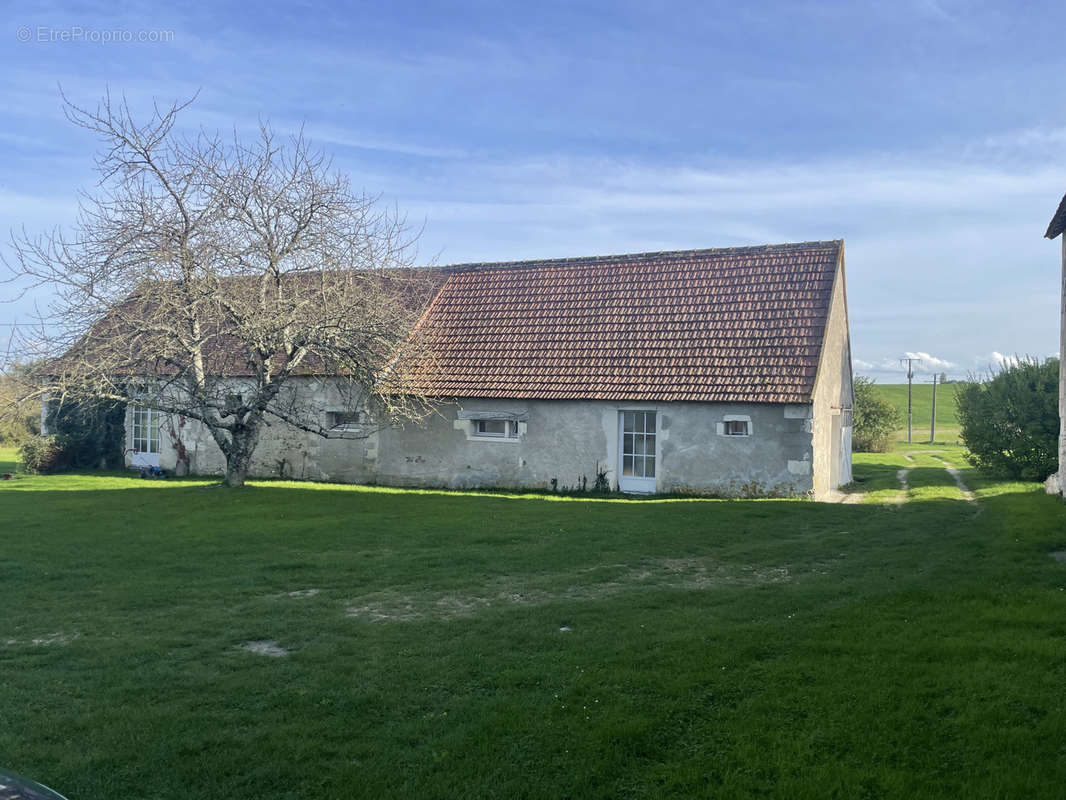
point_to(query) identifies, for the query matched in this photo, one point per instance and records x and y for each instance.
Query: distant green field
(896, 393)
(947, 426)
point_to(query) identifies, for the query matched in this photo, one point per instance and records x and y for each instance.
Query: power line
(910, 379)
(932, 424)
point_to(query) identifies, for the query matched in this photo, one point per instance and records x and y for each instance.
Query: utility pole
(932, 425)
(910, 379)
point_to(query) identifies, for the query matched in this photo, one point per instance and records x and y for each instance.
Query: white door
(144, 441)
(845, 449)
(637, 455)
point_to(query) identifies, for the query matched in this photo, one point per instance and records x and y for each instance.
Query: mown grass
(465, 645)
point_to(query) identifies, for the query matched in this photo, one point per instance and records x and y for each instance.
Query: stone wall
(567, 442)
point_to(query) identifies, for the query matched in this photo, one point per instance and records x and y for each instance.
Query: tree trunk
(239, 456)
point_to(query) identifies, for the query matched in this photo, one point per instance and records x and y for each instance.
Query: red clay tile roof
(133, 338)
(741, 324)
(1058, 222)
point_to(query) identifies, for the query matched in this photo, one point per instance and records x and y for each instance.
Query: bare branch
(216, 280)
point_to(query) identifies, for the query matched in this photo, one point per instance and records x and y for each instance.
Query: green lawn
(461, 645)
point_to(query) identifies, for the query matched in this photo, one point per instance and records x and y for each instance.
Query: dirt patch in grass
(902, 476)
(57, 639)
(957, 477)
(264, 647)
(591, 584)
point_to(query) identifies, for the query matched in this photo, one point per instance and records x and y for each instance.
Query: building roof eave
(1058, 222)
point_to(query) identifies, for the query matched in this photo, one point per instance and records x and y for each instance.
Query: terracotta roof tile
(740, 324)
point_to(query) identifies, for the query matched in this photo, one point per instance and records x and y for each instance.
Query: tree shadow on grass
(868, 477)
(933, 496)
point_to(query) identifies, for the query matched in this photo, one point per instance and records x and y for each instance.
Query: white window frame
(146, 421)
(737, 427)
(510, 429)
(333, 424)
(732, 419)
(643, 484)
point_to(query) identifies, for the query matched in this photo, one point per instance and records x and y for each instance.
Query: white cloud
(894, 370)
(996, 361)
(1026, 142)
(930, 363)
(929, 237)
(999, 360)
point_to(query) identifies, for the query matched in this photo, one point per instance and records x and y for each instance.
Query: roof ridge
(612, 258)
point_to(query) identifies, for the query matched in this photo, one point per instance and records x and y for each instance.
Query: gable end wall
(833, 394)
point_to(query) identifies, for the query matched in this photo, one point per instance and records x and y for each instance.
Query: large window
(145, 430)
(638, 444)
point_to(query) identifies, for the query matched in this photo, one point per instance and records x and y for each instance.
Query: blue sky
(928, 134)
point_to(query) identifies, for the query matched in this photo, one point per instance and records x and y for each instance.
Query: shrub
(41, 454)
(874, 418)
(90, 433)
(87, 434)
(1010, 424)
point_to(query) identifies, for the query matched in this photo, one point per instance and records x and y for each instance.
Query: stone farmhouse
(722, 371)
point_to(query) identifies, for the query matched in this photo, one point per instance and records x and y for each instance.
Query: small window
(736, 427)
(498, 428)
(343, 419)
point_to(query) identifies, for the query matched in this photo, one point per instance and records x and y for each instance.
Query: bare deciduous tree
(20, 409)
(215, 279)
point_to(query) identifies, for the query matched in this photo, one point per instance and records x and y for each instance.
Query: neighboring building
(1054, 229)
(723, 371)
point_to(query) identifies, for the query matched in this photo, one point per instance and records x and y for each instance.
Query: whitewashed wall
(564, 441)
(833, 394)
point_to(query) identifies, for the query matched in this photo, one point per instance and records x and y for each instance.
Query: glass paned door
(144, 438)
(636, 451)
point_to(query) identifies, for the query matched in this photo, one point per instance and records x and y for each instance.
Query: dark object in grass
(6, 476)
(153, 473)
(16, 787)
